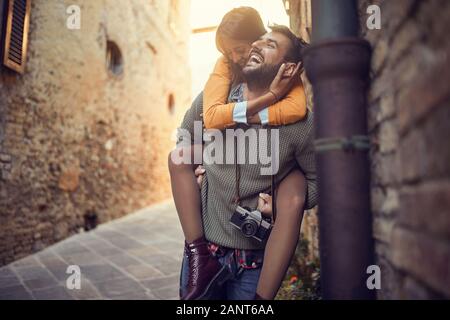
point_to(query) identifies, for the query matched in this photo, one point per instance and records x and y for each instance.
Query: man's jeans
(241, 286)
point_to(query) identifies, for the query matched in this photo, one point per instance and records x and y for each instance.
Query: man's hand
(284, 79)
(199, 172)
(265, 204)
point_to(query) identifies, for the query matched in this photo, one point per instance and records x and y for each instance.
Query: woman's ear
(289, 70)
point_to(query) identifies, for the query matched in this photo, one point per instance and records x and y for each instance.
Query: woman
(237, 31)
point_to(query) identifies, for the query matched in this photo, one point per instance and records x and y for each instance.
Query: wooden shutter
(16, 37)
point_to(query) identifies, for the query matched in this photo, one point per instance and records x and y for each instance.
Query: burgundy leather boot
(205, 271)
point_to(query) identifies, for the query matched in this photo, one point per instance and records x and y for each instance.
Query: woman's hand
(265, 204)
(284, 80)
(199, 172)
(254, 119)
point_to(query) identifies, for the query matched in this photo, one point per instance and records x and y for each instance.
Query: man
(243, 255)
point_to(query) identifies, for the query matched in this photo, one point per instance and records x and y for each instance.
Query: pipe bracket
(347, 144)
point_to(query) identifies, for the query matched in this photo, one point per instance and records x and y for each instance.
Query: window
(114, 60)
(17, 16)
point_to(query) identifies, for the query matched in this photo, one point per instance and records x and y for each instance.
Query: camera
(251, 223)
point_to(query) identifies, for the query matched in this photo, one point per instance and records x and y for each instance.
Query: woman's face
(236, 50)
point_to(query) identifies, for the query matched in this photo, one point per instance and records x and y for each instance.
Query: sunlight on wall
(207, 13)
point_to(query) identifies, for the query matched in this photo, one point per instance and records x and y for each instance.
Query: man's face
(269, 50)
(236, 51)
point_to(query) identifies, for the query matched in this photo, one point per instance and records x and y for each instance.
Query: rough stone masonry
(87, 128)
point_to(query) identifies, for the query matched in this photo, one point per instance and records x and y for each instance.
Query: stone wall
(409, 123)
(78, 137)
(409, 126)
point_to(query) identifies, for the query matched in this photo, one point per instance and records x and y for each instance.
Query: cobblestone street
(135, 257)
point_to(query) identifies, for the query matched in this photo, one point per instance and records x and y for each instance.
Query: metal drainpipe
(337, 64)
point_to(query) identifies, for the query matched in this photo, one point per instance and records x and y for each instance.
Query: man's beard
(262, 76)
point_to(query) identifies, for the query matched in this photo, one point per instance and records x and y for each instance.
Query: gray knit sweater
(219, 188)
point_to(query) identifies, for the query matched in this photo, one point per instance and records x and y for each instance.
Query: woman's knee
(292, 193)
(290, 204)
(297, 201)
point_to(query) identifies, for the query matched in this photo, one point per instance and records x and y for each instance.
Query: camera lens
(249, 228)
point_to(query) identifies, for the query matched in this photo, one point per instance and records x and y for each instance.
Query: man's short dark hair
(295, 53)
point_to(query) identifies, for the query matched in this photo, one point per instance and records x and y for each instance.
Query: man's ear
(289, 70)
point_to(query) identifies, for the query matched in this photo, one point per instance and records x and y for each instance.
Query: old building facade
(409, 126)
(86, 130)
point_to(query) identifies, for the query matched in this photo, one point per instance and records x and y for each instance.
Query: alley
(136, 257)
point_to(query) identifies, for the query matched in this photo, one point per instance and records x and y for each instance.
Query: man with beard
(226, 187)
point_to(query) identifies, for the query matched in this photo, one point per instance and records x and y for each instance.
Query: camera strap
(237, 198)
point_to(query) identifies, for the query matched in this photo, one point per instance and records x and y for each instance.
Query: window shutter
(16, 37)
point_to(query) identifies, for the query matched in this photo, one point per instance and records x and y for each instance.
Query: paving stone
(136, 258)
(167, 293)
(58, 269)
(26, 262)
(142, 271)
(119, 240)
(106, 250)
(145, 251)
(40, 283)
(145, 239)
(142, 295)
(171, 247)
(47, 255)
(118, 287)
(6, 282)
(126, 243)
(163, 282)
(103, 272)
(123, 260)
(29, 273)
(175, 235)
(69, 247)
(163, 263)
(106, 233)
(91, 239)
(87, 291)
(6, 272)
(15, 293)
(53, 293)
(130, 229)
(81, 258)
(154, 240)
(85, 236)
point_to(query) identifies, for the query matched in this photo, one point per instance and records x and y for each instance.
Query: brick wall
(409, 126)
(74, 137)
(409, 121)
